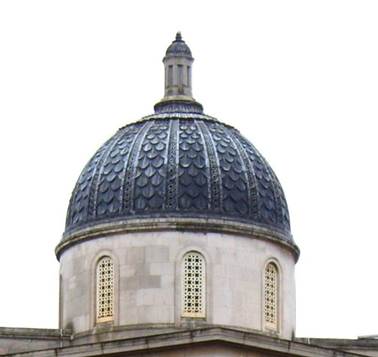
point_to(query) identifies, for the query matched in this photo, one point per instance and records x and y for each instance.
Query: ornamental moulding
(203, 225)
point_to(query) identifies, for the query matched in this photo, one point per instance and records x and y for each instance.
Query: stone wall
(148, 280)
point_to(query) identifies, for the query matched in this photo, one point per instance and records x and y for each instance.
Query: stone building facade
(177, 243)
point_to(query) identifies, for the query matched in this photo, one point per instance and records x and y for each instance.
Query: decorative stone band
(178, 105)
(189, 224)
(189, 116)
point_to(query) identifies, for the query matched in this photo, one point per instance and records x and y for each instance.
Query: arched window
(193, 285)
(271, 297)
(105, 290)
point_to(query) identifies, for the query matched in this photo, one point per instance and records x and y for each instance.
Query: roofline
(34, 333)
(191, 337)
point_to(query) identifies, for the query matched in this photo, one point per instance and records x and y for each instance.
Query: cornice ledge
(208, 225)
(177, 339)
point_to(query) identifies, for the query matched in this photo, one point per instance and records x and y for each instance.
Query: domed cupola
(177, 221)
(178, 168)
(179, 48)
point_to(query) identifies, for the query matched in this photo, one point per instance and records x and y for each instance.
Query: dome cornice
(181, 224)
(182, 115)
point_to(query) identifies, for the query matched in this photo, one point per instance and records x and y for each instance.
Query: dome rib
(128, 185)
(93, 201)
(130, 139)
(215, 175)
(251, 179)
(172, 163)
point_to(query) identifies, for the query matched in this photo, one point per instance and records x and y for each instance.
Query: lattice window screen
(271, 296)
(105, 290)
(194, 285)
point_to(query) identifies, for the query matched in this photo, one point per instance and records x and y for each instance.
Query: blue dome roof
(177, 169)
(178, 47)
(178, 165)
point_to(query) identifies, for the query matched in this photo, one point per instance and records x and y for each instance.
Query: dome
(178, 47)
(178, 165)
(178, 169)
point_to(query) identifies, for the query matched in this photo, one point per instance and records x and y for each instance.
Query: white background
(298, 78)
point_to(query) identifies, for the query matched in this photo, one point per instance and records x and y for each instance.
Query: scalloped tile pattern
(178, 167)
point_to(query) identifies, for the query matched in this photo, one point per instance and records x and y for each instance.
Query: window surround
(94, 321)
(193, 262)
(105, 285)
(274, 327)
(181, 320)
